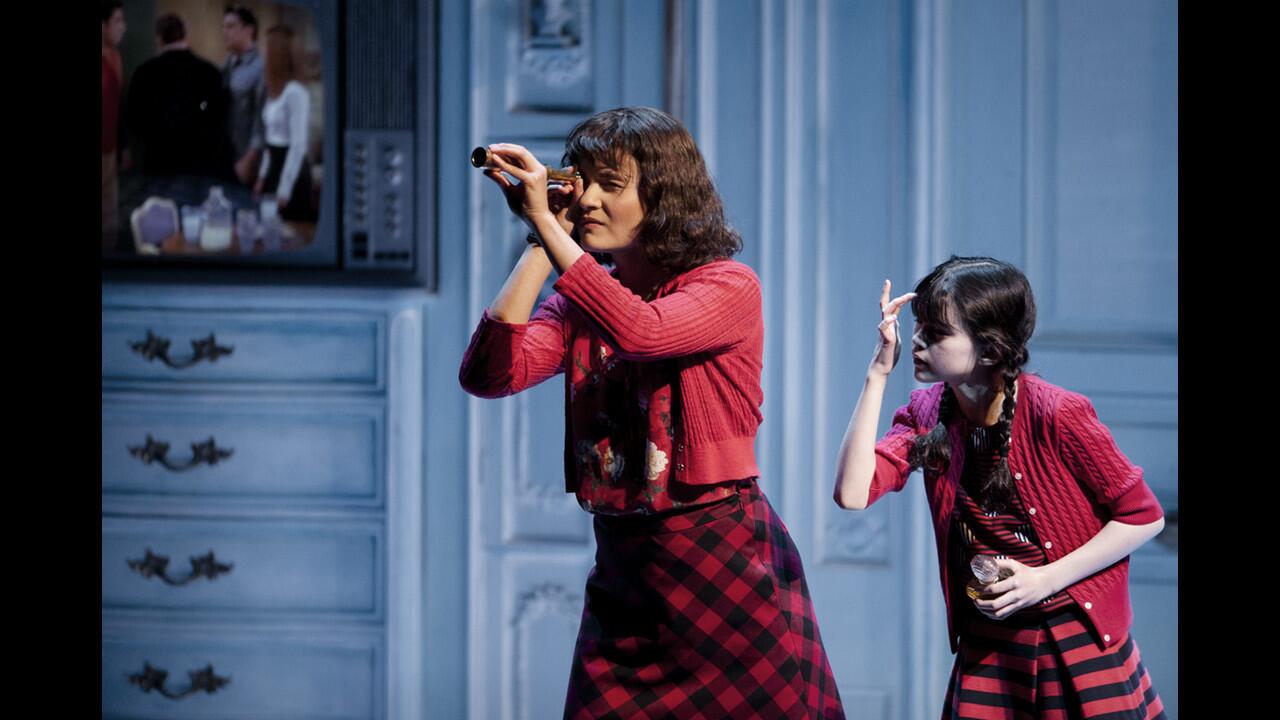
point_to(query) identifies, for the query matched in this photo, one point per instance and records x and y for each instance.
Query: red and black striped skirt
(700, 614)
(1047, 667)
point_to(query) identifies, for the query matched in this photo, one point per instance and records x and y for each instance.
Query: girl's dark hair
(991, 301)
(684, 224)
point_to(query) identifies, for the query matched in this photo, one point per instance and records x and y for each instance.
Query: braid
(933, 449)
(996, 489)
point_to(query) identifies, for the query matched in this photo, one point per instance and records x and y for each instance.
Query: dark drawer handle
(153, 679)
(205, 453)
(201, 566)
(156, 346)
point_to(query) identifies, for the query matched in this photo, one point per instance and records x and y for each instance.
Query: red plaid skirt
(700, 614)
(1047, 667)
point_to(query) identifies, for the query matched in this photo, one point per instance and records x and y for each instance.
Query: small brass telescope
(482, 158)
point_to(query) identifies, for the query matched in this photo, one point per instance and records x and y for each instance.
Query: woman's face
(943, 354)
(608, 213)
(113, 28)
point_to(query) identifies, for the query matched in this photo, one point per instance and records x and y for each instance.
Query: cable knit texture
(709, 319)
(1072, 474)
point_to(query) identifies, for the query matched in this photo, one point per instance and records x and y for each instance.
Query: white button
(680, 447)
(679, 466)
(1088, 606)
(1032, 511)
(1048, 545)
(1017, 476)
(1106, 638)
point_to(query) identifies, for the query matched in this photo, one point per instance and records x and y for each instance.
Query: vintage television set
(364, 72)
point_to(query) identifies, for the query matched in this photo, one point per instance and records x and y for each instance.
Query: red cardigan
(1068, 472)
(710, 319)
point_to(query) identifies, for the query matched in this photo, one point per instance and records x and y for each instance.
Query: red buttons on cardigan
(1088, 606)
(1031, 511)
(680, 447)
(680, 466)
(1048, 545)
(1106, 638)
(1017, 476)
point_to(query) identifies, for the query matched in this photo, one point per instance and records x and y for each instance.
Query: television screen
(213, 130)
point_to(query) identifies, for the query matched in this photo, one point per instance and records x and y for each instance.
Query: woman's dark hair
(684, 224)
(991, 301)
(109, 7)
(170, 29)
(280, 59)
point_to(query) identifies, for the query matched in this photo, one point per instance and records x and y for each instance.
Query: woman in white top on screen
(285, 170)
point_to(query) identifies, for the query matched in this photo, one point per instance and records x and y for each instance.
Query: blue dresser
(262, 531)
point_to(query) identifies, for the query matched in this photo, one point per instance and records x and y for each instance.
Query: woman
(697, 605)
(284, 170)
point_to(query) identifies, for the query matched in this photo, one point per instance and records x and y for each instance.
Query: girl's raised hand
(1024, 588)
(889, 345)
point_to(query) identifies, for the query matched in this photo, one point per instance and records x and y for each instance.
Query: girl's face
(608, 213)
(944, 354)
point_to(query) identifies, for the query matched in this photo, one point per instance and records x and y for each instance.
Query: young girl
(1021, 472)
(697, 605)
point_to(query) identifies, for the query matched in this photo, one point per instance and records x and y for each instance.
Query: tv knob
(393, 157)
(394, 177)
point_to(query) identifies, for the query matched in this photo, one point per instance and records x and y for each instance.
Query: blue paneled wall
(852, 141)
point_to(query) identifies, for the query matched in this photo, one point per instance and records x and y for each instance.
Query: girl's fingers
(896, 304)
(884, 294)
(888, 328)
(1007, 611)
(1005, 601)
(1004, 586)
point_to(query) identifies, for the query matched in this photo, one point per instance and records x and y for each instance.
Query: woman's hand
(257, 189)
(890, 343)
(1024, 588)
(531, 197)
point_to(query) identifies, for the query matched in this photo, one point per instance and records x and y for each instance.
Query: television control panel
(378, 200)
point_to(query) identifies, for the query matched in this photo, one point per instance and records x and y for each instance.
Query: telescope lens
(479, 157)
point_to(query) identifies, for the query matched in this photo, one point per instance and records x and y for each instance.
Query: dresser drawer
(259, 570)
(321, 350)
(269, 675)
(249, 452)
